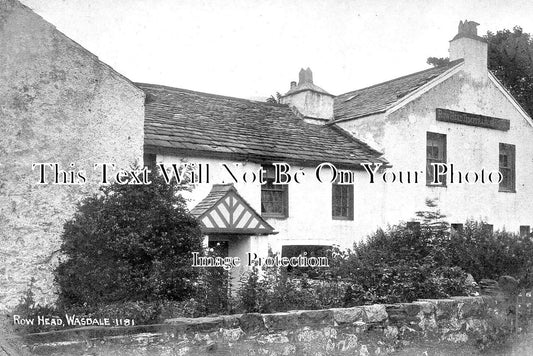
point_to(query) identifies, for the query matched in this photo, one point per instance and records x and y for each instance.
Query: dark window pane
(435, 153)
(507, 167)
(342, 201)
(274, 197)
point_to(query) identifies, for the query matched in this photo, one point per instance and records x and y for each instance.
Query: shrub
(402, 263)
(30, 310)
(487, 254)
(277, 290)
(404, 282)
(129, 243)
(213, 291)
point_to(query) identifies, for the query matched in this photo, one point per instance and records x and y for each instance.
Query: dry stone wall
(462, 322)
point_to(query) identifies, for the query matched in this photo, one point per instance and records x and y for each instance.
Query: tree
(129, 243)
(274, 100)
(438, 61)
(510, 58)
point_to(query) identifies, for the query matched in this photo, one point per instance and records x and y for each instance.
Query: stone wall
(465, 323)
(58, 103)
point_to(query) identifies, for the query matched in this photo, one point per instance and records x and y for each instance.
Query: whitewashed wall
(402, 137)
(310, 221)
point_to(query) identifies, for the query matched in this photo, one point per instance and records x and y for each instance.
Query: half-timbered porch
(229, 222)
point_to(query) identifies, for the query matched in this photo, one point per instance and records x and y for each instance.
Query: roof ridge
(449, 65)
(166, 87)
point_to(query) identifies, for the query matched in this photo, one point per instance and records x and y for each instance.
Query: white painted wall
(312, 104)
(401, 135)
(310, 221)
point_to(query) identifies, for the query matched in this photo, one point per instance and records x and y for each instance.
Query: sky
(255, 48)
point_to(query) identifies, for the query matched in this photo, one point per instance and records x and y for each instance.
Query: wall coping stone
(392, 318)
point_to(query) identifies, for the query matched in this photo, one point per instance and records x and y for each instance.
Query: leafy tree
(274, 99)
(510, 58)
(129, 243)
(438, 61)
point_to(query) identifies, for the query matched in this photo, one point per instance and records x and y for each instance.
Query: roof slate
(218, 126)
(379, 97)
(217, 192)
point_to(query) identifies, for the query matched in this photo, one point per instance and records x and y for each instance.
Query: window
(435, 153)
(507, 167)
(524, 230)
(342, 201)
(274, 197)
(457, 228)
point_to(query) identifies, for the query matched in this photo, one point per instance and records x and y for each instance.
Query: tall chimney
(305, 76)
(472, 48)
(312, 102)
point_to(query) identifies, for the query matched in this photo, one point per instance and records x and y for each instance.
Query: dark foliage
(274, 99)
(401, 264)
(510, 58)
(487, 254)
(213, 291)
(277, 290)
(438, 61)
(129, 243)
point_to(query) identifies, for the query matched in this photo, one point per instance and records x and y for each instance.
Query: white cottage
(459, 114)
(456, 115)
(223, 135)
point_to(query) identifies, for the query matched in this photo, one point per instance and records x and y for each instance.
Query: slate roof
(217, 192)
(200, 124)
(379, 97)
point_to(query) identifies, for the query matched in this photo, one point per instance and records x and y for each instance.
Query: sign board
(464, 118)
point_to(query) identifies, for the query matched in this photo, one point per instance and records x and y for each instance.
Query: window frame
(350, 202)
(457, 227)
(269, 186)
(510, 151)
(436, 137)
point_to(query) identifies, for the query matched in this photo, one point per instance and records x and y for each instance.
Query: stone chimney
(312, 102)
(472, 48)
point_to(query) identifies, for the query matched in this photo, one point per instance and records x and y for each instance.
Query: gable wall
(58, 103)
(402, 137)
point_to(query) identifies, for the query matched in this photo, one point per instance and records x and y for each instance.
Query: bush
(129, 243)
(404, 282)
(30, 310)
(402, 263)
(213, 291)
(487, 254)
(277, 290)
